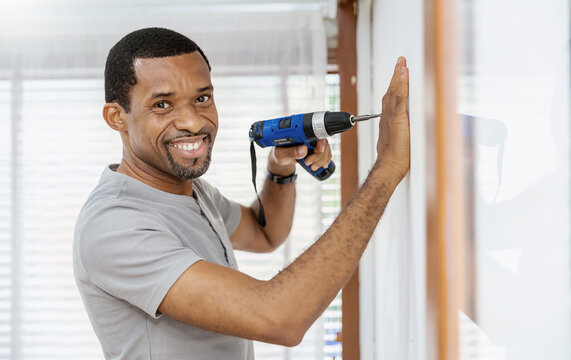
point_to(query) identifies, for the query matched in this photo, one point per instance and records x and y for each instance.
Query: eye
(162, 104)
(203, 98)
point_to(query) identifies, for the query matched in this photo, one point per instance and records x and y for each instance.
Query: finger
(283, 153)
(326, 159)
(317, 151)
(389, 97)
(322, 160)
(401, 61)
(402, 92)
(320, 145)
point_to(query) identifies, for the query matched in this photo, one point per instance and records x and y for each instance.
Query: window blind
(5, 215)
(62, 147)
(54, 146)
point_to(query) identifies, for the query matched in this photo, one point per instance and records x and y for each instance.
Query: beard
(189, 172)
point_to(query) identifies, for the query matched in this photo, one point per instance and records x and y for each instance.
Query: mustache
(185, 133)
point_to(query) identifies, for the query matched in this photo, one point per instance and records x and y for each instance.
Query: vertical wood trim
(347, 50)
(445, 203)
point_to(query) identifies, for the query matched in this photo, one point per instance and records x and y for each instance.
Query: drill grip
(321, 173)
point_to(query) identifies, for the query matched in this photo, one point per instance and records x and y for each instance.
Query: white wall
(392, 271)
(514, 98)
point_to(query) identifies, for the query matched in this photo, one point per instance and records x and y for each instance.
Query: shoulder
(106, 219)
(113, 203)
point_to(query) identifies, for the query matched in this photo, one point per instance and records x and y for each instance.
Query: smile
(186, 145)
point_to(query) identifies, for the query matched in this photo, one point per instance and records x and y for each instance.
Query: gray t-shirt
(132, 242)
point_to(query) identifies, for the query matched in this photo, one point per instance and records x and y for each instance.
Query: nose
(190, 120)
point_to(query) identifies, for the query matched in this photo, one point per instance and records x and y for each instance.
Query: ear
(114, 116)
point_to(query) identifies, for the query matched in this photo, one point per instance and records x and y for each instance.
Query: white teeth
(187, 146)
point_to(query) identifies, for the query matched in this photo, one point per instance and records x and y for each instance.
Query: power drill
(305, 129)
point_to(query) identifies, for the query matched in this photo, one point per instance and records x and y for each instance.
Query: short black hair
(146, 43)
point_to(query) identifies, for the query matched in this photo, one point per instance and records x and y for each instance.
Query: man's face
(173, 120)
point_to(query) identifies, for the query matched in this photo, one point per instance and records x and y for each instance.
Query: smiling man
(153, 248)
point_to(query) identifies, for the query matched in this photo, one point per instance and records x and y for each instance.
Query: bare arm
(278, 200)
(282, 309)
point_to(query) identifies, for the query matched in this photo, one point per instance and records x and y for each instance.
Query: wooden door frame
(347, 58)
(445, 220)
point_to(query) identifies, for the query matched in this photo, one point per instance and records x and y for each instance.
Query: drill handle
(321, 173)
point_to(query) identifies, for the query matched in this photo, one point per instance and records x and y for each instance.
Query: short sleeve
(130, 255)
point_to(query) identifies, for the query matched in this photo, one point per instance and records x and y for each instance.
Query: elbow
(284, 331)
(287, 336)
(292, 334)
(292, 341)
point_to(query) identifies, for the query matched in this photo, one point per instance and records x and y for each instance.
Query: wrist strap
(261, 216)
(282, 179)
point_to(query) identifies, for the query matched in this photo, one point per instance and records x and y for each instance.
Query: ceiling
(328, 9)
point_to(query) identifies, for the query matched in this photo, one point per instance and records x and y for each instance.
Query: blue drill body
(302, 129)
(283, 131)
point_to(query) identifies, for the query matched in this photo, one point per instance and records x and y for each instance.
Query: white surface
(515, 87)
(392, 270)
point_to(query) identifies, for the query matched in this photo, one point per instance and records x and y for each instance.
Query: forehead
(172, 73)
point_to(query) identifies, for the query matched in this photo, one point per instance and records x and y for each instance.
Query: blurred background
(472, 257)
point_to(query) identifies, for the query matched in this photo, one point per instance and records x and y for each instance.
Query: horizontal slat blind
(5, 216)
(64, 145)
(53, 91)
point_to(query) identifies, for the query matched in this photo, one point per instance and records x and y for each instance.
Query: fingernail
(399, 61)
(403, 70)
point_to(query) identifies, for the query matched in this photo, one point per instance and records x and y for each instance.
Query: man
(153, 249)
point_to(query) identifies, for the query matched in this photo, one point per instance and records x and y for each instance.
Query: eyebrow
(209, 87)
(161, 94)
(172, 93)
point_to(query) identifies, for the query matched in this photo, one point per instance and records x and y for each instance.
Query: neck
(163, 181)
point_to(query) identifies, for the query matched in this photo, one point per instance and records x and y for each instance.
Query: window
(514, 104)
(266, 63)
(62, 146)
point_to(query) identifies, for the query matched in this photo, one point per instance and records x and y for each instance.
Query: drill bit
(365, 117)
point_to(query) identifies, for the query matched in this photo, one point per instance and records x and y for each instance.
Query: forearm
(327, 265)
(278, 201)
(279, 204)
